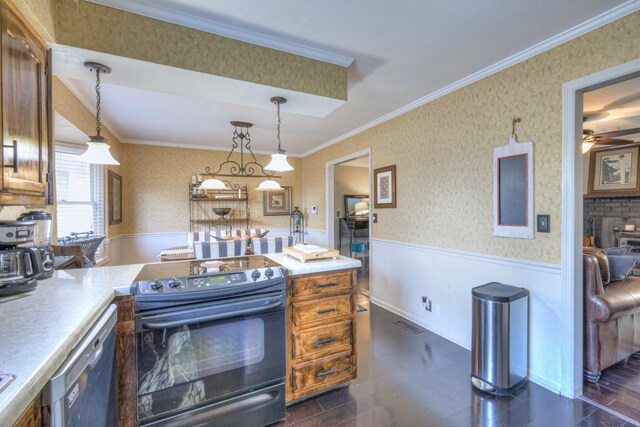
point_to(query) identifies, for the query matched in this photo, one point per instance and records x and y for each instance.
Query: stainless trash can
(500, 336)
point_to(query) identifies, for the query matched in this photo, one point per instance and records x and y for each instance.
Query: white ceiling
(614, 107)
(403, 51)
(68, 132)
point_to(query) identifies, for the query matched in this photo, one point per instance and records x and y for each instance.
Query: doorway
(575, 185)
(348, 213)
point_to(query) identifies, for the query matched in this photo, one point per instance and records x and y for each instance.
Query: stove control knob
(269, 273)
(174, 283)
(255, 274)
(156, 285)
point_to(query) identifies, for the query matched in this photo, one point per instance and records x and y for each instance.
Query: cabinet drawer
(321, 284)
(322, 341)
(328, 370)
(327, 310)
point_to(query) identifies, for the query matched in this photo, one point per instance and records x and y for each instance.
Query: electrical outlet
(426, 302)
(438, 309)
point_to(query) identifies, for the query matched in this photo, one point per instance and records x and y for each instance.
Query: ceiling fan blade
(617, 133)
(613, 141)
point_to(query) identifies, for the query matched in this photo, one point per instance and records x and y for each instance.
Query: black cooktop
(166, 270)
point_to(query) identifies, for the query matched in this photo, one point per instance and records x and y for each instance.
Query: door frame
(330, 211)
(572, 218)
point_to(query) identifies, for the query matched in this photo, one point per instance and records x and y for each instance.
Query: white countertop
(40, 328)
(296, 267)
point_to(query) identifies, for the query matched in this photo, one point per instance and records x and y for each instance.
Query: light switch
(314, 209)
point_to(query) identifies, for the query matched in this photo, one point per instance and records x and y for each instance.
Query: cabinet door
(24, 114)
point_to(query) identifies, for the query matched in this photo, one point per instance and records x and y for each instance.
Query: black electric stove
(210, 342)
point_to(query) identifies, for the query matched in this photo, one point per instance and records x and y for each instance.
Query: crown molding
(151, 10)
(73, 88)
(192, 146)
(563, 37)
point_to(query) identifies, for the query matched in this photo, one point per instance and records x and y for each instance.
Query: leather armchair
(612, 319)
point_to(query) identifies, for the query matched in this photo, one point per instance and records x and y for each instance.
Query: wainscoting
(403, 273)
(145, 247)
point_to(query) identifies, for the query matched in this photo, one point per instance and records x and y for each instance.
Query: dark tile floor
(423, 380)
(618, 388)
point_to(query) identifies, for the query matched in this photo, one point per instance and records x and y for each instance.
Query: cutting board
(303, 256)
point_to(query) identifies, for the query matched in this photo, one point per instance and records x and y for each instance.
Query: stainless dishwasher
(83, 392)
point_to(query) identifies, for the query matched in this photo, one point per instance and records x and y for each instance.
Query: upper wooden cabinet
(25, 115)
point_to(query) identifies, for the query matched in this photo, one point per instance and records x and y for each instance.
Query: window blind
(80, 194)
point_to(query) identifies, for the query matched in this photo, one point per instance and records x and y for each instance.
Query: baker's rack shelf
(203, 202)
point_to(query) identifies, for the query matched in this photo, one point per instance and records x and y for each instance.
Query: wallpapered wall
(173, 45)
(444, 150)
(40, 14)
(157, 184)
(65, 103)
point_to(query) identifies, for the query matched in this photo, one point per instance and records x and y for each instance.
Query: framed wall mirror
(115, 198)
(356, 206)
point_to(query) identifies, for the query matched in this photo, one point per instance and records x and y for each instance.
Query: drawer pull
(326, 310)
(325, 341)
(325, 373)
(326, 285)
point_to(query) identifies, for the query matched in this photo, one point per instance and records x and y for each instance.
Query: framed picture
(613, 172)
(384, 186)
(276, 203)
(356, 206)
(115, 198)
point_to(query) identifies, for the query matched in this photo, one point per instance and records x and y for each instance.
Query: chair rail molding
(572, 302)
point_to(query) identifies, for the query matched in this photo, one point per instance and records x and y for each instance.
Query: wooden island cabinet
(321, 339)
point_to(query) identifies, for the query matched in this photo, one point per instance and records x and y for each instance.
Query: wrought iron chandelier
(244, 168)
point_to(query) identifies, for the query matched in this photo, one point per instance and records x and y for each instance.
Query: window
(79, 193)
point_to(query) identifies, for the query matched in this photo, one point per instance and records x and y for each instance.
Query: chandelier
(247, 166)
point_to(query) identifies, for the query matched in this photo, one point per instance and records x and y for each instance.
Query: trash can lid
(499, 292)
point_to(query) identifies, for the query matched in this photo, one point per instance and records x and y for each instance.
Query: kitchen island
(42, 327)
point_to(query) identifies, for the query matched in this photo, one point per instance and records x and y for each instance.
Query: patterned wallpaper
(157, 184)
(40, 15)
(444, 150)
(65, 103)
(173, 45)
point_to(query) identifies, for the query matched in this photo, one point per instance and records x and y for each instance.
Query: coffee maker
(41, 241)
(19, 266)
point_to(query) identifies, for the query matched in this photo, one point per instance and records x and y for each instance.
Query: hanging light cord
(278, 105)
(98, 126)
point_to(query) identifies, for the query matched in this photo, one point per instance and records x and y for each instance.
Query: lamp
(296, 225)
(279, 161)
(98, 151)
(361, 208)
(588, 140)
(213, 184)
(269, 185)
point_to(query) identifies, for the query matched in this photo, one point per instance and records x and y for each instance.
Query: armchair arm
(592, 280)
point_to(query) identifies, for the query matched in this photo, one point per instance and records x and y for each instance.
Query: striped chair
(248, 232)
(264, 245)
(220, 249)
(203, 236)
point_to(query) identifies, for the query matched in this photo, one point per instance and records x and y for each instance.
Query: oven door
(193, 355)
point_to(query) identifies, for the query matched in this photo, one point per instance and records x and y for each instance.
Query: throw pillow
(603, 263)
(620, 266)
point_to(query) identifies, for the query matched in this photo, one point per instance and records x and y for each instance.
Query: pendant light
(269, 185)
(213, 184)
(279, 161)
(98, 152)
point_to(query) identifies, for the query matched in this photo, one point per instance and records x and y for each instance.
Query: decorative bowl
(221, 212)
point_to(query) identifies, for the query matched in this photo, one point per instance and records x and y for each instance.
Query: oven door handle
(208, 318)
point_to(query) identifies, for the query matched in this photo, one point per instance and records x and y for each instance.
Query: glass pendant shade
(269, 185)
(279, 162)
(586, 146)
(98, 152)
(213, 184)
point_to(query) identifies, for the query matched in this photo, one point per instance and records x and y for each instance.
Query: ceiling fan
(589, 138)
